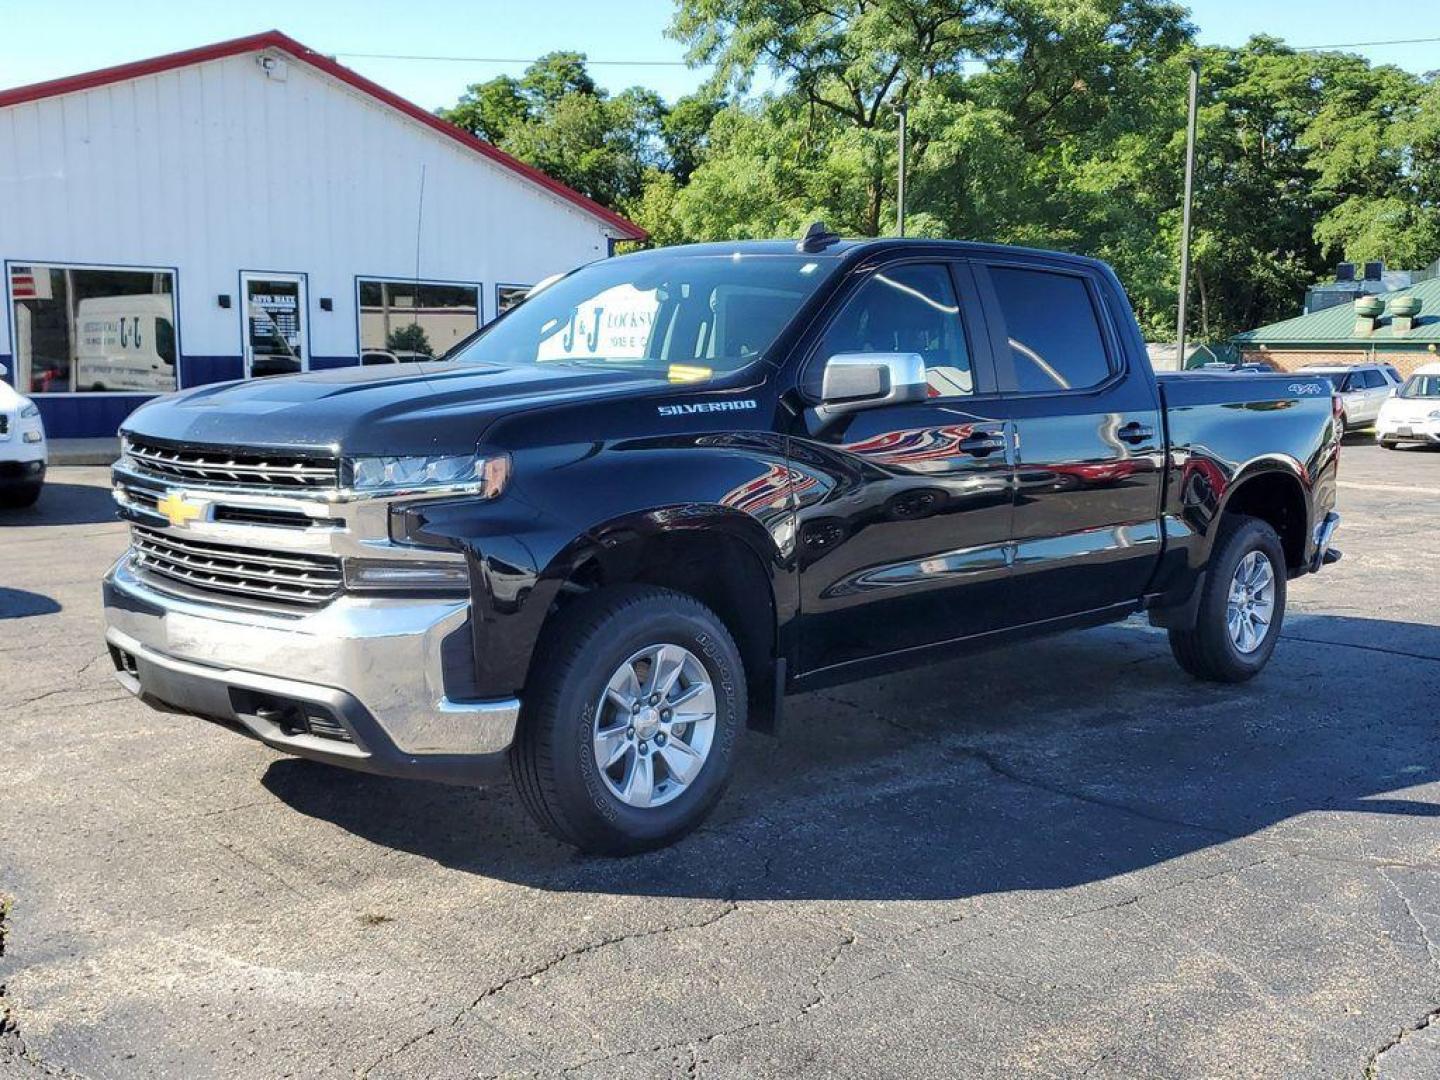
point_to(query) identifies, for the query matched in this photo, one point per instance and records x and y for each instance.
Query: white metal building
(252, 208)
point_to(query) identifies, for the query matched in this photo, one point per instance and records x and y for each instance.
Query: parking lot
(1063, 859)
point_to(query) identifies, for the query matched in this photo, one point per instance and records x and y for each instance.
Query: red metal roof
(273, 39)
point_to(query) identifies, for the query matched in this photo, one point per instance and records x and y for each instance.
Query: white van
(125, 343)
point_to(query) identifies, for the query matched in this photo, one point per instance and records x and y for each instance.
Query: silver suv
(1363, 388)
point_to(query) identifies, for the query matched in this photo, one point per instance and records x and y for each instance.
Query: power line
(1366, 44)
(508, 60)
(684, 64)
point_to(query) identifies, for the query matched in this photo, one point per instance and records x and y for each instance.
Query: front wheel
(632, 715)
(1241, 608)
(20, 496)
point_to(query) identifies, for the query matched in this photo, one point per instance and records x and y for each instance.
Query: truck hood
(404, 409)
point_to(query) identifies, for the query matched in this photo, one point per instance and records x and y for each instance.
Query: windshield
(689, 317)
(1421, 386)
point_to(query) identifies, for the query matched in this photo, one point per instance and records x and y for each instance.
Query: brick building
(1355, 333)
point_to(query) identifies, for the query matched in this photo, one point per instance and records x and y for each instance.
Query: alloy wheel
(654, 725)
(1250, 606)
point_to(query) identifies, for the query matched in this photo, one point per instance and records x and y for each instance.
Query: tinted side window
(1054, 333)
(908, 309)
(1374, 380)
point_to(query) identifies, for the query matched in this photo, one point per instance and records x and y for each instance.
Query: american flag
(22, 283)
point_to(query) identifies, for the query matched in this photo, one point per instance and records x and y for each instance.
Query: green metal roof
(1336, 325)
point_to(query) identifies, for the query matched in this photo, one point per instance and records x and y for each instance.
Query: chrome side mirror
(857, 381)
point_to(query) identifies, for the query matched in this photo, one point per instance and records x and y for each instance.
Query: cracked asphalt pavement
(1059, 860)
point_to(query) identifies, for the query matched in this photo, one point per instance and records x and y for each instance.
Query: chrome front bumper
(370, 669)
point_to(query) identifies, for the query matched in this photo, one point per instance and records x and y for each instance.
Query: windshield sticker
(705, 407)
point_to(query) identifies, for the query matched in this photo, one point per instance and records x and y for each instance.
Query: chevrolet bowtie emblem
(179, 510)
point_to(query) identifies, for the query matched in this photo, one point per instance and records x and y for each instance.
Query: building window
(83, 329)
(415, 320)
(507, 296)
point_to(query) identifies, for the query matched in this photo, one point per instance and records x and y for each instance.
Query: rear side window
(1055, 340)
(1374, 380)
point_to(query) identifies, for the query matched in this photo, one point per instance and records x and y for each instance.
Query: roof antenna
(817, 238)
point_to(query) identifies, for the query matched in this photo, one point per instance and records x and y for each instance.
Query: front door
(1090, 442)
(275, 313)
(903, 511)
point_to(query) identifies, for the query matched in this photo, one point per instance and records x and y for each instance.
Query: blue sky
(63, 37)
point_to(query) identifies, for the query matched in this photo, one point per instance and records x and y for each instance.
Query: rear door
(1089, 439)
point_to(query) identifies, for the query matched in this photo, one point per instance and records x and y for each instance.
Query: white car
(22, 447)
(1363, 389)
(1413, 414)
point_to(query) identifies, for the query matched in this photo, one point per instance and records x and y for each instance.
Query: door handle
(982, 444)
(1136, 432)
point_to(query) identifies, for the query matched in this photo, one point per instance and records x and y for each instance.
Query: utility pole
(1185, 215)
(904, 110)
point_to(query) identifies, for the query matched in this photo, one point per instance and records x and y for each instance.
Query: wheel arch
(723, 558)
(1274, 490)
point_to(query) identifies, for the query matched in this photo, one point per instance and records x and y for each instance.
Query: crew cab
(620, 524)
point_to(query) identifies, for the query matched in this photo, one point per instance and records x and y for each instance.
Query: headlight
(1435, 414)
(29, 411)
(485, 476)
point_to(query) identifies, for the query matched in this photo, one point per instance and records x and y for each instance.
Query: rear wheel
(1389, 444)
(1241, 608)
(631, 720)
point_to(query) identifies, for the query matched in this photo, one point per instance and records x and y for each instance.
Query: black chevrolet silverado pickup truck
(624, 520)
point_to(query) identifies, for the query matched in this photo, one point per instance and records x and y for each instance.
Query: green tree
(556, 118)
(409, 338)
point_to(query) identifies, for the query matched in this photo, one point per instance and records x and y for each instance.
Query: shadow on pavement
(65, 504)
(1043, 766)
(19, 604)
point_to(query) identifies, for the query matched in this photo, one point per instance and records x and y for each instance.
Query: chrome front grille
(226, 572)
(222, 467)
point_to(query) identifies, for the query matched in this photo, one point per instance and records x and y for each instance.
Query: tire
(1389, 444)
(567, 707)
(1207, 650)
(20, 496)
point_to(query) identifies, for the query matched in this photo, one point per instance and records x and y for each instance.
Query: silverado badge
(179, 510)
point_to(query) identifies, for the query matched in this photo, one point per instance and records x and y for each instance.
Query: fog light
(399, 576)
(33, 437)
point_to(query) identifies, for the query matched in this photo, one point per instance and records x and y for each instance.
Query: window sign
(614, 324)
(274, 324)
(92, 330)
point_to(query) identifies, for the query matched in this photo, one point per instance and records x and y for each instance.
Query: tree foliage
(1055, 123)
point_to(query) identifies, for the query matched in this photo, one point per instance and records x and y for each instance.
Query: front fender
(588, 504)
